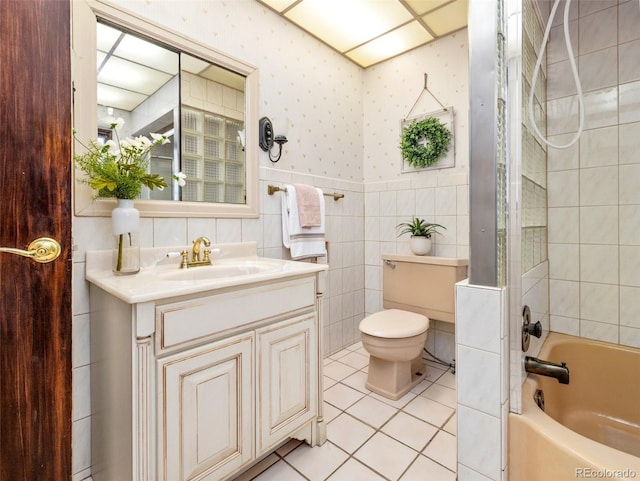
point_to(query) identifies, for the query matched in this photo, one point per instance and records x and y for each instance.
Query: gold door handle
(43, 250)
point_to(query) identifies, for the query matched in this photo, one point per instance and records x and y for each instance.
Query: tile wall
(594, 206)
(482, 358)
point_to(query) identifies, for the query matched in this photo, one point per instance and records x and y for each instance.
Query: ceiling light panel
(394, 43)
(133, 76)
(423, 6)
(118, 98)
(106, 37)
(447, 19)
(147, 53)
(347, 24)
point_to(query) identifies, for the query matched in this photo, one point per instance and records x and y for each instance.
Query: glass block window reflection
(212, 157)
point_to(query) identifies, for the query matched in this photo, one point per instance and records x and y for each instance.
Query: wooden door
(35, 201)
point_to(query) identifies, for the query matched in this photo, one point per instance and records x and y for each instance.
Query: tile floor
(371, 438)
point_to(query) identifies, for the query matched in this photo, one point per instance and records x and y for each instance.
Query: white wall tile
(564, 261)
(599, 263)
(629, 192)
(170, 232)
(630, 266)
(598, 69)
(601, 108)
(598, 30)
(628, 143)
(599, 186)
(563, 188)
(630, 102)
(479, 444)
(629, 306)
(557, 49)
(478, 317)
(599, 331)
(564, 298)
(563, 159)
(628, 21)
(628, 69)
(479, 373)
(599, 147)
(564, 225)
(468, 474)
(599, 225)
(562, 115)
(565, 325)
(629, 224)
(560, 82)
(80, 343)
(599, 302)
(630, 336)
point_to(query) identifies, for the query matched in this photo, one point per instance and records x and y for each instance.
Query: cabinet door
(205, 411)
(287, 372)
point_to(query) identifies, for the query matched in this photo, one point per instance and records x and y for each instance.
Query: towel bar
(272, 189)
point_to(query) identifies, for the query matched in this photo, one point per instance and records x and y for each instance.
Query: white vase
(420, 246)
(125, 226)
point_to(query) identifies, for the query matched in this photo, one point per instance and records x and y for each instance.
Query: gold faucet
(195, 254)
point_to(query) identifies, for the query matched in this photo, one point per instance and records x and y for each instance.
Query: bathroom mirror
(162, 81)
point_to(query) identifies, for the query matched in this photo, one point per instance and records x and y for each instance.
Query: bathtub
(590, 428)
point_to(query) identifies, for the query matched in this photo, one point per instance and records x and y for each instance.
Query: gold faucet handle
(207, 254)
(184, 263)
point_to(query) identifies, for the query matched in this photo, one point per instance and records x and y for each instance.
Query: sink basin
(220, 271)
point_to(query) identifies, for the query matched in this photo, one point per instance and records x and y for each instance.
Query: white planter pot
(125, 225)
(420, 246)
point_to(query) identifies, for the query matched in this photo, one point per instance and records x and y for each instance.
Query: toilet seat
(394, 324)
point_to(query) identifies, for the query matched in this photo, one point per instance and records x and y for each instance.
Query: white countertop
(150, 283)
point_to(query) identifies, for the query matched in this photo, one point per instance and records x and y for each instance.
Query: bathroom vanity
(197, 373)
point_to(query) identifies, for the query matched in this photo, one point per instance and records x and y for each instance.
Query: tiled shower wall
(594, 200)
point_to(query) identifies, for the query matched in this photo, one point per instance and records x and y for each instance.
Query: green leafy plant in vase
(119, 169)
(421, 232)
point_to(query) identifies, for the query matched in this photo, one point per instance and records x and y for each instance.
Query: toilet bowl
(394, 340)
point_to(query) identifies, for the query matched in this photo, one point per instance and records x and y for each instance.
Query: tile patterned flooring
(371, 438)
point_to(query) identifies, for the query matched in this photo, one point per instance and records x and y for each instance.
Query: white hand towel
(303, 242)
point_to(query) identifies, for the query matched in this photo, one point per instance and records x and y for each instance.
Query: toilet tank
(422, 284)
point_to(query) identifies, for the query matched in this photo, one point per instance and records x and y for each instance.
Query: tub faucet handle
(534, 329)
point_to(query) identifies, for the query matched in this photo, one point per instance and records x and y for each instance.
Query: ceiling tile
(147, 53)
(447, 19)
(423, 6)
(394, 43)
(347, 24)
(118, 98)
(136, 77)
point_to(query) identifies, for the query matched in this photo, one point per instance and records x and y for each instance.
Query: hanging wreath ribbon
(414, 149)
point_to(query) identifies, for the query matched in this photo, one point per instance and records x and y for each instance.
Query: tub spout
(546, 368)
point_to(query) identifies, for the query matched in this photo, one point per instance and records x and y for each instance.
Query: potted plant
(421, 231)
(119, 169)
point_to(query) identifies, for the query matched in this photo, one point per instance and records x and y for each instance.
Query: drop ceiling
(370, 31)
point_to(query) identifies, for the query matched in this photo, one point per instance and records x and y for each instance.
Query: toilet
(394, 340)
(414, 289)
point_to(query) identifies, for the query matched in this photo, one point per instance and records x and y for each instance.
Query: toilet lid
(394, 323)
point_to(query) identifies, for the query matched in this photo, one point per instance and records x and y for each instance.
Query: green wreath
(437, 135)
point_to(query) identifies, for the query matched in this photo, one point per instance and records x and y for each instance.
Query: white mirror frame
(85, 13)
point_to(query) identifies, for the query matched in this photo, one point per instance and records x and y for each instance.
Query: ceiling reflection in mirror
(199, 106)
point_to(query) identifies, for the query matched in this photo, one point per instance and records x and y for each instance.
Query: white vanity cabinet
(205, 403)
(199, 386)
